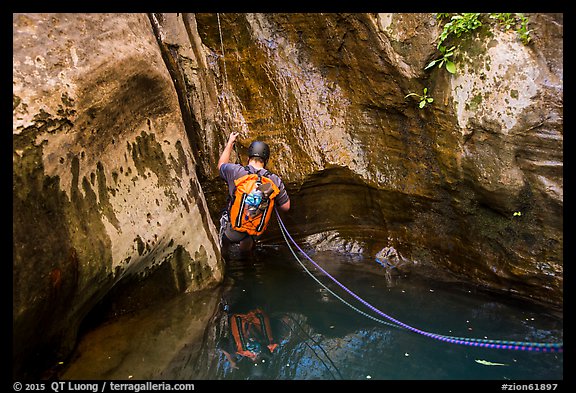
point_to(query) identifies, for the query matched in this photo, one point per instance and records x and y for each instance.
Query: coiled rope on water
(475, 342)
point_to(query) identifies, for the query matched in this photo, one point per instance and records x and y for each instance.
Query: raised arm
(225, 156)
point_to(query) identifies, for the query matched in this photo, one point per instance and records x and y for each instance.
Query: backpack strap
(230, 199)
(266, 173)
(247, 168)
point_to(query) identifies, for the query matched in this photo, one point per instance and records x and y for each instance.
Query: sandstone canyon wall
(119, 119)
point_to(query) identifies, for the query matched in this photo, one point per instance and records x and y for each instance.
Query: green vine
(458, 25)
(445, 59)
(465, 23)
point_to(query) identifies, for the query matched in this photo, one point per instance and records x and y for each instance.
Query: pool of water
(321, 336)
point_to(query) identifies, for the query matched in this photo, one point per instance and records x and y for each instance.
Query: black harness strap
(242, 203)
(264, 330)
(240, 326)
(263, 221)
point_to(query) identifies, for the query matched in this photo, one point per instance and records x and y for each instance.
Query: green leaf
(431, 64)
(487, 363)
(422, 103)
(451, 67)
(430, 100)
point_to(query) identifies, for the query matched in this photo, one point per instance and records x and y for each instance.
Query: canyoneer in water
(253, 193)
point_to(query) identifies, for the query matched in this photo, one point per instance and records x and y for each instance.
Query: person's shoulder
(230, 166)
(275, 177)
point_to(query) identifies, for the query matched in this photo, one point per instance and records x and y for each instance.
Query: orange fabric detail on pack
(242, 326)
(240, 218)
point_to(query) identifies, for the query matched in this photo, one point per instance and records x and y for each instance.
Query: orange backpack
(245, 326)
(250, 211)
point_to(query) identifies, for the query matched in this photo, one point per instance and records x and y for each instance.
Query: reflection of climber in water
(249, 336)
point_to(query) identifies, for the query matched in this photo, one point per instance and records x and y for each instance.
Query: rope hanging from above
(225, 84)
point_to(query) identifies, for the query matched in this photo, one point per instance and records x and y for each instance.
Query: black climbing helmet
(259, 149)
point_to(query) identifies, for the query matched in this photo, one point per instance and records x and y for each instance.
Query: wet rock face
(105, 190)
(119, 120)
(469, 186)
